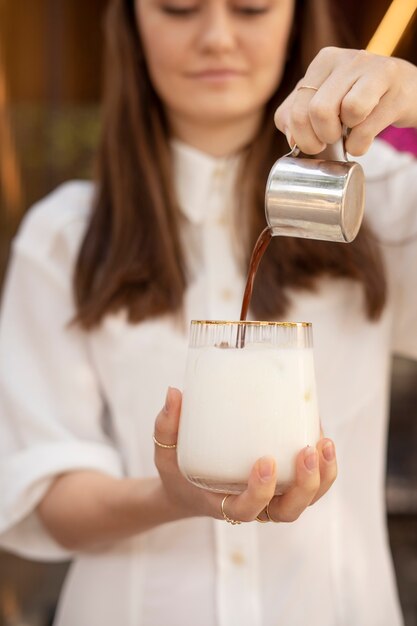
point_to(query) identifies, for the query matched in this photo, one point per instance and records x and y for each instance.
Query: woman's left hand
(364, 91)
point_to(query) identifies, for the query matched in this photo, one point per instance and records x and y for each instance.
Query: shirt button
(226, 295)
(237, 558)
(219, 172)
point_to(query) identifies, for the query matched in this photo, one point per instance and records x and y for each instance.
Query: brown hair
(131, 256)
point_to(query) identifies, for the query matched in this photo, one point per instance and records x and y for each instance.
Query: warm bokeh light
(392, 27)
(11, 185)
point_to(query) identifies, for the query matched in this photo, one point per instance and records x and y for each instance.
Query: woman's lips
(216, 75)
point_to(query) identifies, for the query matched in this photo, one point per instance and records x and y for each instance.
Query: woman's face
(214, 61)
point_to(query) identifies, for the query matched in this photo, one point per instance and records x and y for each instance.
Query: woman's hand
(364, 91)
(316, 470)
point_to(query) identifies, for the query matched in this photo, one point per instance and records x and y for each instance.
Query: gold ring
(262, 521)
(307, 87)
(167, 446)
(271, 519)
(228, 519)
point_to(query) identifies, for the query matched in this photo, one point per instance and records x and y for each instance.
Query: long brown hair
(131, 256)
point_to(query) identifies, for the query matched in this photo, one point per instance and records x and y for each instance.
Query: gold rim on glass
(252, 323)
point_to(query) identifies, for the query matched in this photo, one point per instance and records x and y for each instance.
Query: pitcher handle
(295, 150)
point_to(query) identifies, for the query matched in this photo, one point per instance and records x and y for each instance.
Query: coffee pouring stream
(315, 198)
(311, 198)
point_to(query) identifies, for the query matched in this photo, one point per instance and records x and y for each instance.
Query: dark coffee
(259, 250)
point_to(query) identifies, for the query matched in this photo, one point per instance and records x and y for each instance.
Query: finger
(376, 76)
(325, 106)
(300, 125)
(328, 467)
(323, 64)
(295, 106)
(361, 137)
(359, 102)
(260, 490)
(282, 116)
(167, 421)
(324, 118)
(350, 94)
(308, 102)
(288, 507)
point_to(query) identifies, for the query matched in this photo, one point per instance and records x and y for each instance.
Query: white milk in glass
(242, 403)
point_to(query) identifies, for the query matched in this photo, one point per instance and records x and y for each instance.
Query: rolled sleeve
(25, 476)
(51, 406)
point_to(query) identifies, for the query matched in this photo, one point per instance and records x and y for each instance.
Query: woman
(101, 283)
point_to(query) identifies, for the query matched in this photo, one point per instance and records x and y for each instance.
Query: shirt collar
(196, 174)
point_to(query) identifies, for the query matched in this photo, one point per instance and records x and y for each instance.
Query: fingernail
(265, 468)
(167, 401)
(328, 451)
(310, 458)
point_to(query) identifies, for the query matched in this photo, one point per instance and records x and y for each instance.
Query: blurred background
(50, 77)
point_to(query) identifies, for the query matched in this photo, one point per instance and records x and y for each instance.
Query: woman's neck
(216, 139)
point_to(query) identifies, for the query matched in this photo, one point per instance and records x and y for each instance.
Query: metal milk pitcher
(314, 198)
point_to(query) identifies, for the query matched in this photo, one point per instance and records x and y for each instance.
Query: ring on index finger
(307, 87)
(167, 446)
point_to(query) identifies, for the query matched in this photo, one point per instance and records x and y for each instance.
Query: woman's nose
(217, 31)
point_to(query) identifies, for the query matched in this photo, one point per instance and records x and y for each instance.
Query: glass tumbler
(249, 392)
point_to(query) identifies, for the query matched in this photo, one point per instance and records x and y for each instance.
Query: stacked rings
(234, 522)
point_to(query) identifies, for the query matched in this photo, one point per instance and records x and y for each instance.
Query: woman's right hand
(316, 470)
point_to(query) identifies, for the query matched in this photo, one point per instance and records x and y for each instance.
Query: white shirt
(74, 400)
